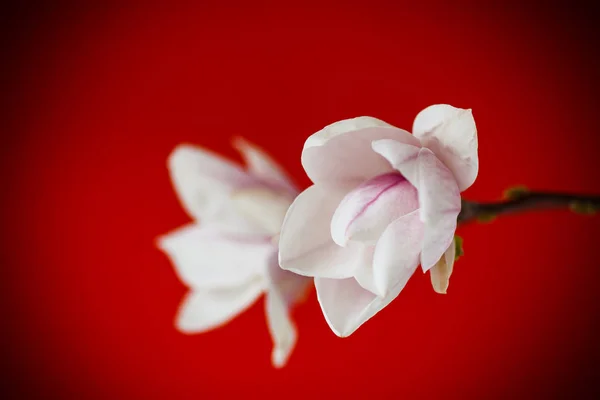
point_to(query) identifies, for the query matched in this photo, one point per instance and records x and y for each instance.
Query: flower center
(366, 211)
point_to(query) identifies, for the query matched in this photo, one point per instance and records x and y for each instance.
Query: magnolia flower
(383, 202)
(230, 258)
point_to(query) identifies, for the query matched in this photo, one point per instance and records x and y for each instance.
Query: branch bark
(524, 201)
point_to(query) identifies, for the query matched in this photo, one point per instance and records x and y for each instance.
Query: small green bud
(458, 246)
(515, 192)
(583, 207)
(486, 218)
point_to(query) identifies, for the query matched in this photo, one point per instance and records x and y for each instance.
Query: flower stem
(523, 200)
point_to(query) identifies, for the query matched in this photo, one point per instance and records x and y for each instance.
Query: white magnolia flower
(383, 202)
(228, 255)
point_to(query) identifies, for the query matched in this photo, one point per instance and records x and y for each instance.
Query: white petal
(364, 274)
(346, 305)
(441, 271)
(305, 243)
(291, 286)
(206, 257)
(341, 152)
(451, 134)
(439, 200)
(204, 181)
(261, 165)
(263, 206)
(281, 327)
(206, 309)
(397, 253)
(365, 212)
(285, 288)
(401, 156)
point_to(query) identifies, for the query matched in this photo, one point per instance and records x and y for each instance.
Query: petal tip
(179, 151)
(238, 141)
(381, 288)
(278, 358)
(339, 239)
(183, 327)
(341, 334)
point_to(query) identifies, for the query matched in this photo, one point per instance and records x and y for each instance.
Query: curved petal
(451, 134)
(402, 157)
(397, 252)
(441, 271)
(341, 152)
(206, 309)
(305, 243)
(281, 327)
(346, 305)
(365, 212)
(261, 165)
(204, 181)
(364, 274)
(284, 289)
(439, 200)
(205, 257)
(263, 206)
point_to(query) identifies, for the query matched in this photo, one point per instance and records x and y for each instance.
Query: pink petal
(346, 305)
(206, 309)
(261, 165)
(439, 199)
(341, 152)
(204, 181)
(284, 288)
(397, 253)
(206, 257)
(305, 243)
(366, 211)
(401, 156)
(452, 135)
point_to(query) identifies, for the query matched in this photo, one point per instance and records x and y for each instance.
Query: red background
(97, 99)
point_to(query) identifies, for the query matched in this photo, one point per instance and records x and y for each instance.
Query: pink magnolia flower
(383, 202)
(228, 256)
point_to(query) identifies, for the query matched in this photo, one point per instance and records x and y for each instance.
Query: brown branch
(523, 201)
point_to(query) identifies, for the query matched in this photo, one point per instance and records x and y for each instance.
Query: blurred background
(96, 97)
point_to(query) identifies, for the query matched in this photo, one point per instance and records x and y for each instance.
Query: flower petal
(284, 289)
(281, 327)
(365, 212)
(439, 196)
(261, 165)
(203, 182)
(263, 206)
(346, 305)
(364, 274)
(305, 243)
(441, 271)
(341, 152)
(439, 200)
(291, 286)
(402, 157)
(206, 309)
(397, 253)
(205, 257)
(451, 134)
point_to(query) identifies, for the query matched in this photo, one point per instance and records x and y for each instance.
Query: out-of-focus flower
(383, 202)
(228, 255)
